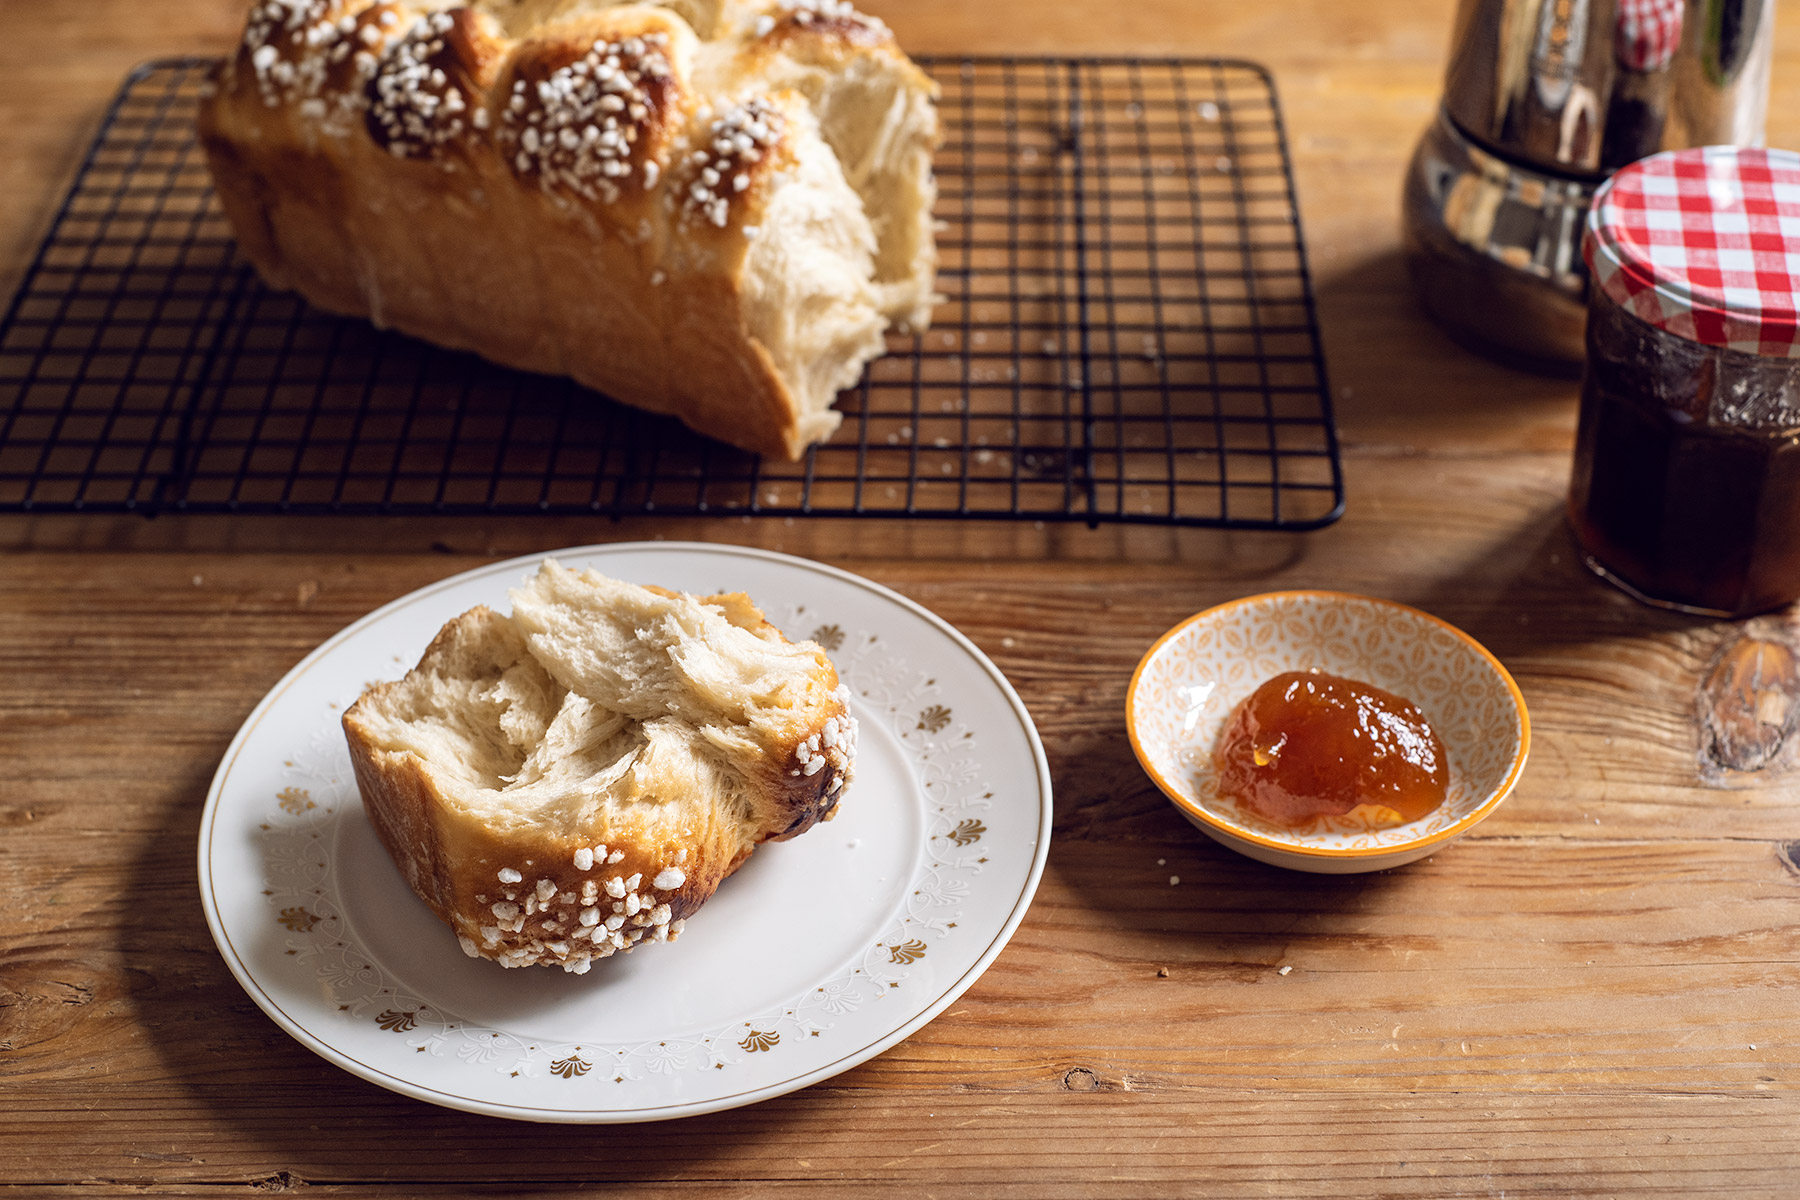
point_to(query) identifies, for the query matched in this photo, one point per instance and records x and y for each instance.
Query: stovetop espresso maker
(1542, 101)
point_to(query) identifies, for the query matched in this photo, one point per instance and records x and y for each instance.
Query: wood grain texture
(1593, 995)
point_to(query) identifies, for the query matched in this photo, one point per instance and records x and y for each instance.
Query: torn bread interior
(577, 778)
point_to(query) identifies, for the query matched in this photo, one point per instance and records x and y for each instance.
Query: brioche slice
(579, 777)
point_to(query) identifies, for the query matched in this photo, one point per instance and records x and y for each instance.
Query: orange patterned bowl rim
(1195, 811)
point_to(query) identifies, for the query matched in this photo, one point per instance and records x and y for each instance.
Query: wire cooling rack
(1127, 335)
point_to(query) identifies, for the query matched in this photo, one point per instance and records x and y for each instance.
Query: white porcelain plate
(818, 955)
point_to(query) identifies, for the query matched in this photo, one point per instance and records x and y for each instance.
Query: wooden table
(1594, 994)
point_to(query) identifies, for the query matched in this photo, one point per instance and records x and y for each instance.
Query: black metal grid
(1127, 335)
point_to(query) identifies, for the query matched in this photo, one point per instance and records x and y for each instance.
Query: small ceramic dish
(1188, 684)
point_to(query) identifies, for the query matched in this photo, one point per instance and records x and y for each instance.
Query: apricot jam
(1307, 745)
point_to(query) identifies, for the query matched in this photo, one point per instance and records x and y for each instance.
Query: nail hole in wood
(1748, 703)
(1080, 1079)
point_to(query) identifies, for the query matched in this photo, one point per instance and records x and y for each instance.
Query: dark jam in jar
(1686, 488)
(1306, 745)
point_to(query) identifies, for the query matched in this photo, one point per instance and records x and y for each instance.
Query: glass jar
(1686, 488)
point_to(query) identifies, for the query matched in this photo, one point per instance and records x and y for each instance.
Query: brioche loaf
(579, 777)
(708, 208)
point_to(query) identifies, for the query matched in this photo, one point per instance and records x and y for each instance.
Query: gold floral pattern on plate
(395, 1021)
(967, 833)
(572, 1067)
(757, 1040)
(297, 919)
(909, 951)
(294, 800)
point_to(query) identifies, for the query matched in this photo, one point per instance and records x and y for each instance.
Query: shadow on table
(1529, 597)
(252, 1105)
(241, 1101)
(1177, 900)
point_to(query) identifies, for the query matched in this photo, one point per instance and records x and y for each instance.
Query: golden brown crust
(428, 95)
(591, 109)
(401, 804)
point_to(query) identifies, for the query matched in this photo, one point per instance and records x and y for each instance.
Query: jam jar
(1686, 488)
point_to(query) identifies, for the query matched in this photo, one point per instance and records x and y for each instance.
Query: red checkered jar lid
(1648, 34)
(1704, 244)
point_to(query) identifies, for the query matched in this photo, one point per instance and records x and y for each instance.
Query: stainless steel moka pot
(1542, 101)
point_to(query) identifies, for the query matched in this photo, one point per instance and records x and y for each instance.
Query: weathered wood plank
(1478, 969)
(1057, 1143)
